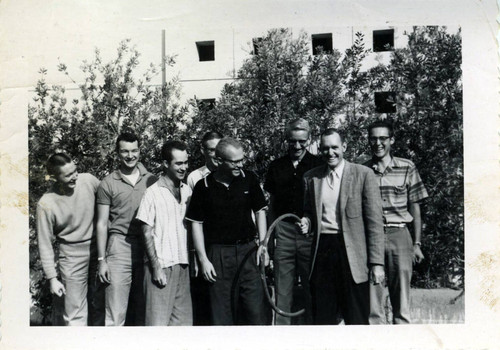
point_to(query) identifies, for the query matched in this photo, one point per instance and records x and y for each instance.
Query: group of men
(137, 228)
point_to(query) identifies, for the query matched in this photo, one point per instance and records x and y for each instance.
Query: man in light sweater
(65, 213)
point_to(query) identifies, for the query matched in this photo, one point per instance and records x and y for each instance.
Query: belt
(237, 242)
(395, 225)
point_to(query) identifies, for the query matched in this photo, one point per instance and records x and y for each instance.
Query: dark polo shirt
(123, 200)
(226, 212)
(284, 182)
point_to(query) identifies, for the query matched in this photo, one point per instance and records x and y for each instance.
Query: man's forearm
(261, 224)
(417, 221)
(149, 246)
(102, 238)
(199, 241)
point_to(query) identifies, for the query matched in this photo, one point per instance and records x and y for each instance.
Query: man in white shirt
(162, 210)
(208, 144)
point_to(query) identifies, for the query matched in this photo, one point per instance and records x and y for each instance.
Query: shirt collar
(163, 183)
(117, 174)
(339, 170)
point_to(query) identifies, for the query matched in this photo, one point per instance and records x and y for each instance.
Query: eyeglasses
(209, 150)
(235, 162)
(374, 139)
(301, 142)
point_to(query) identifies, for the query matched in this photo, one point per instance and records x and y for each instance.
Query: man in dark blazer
(343, 210)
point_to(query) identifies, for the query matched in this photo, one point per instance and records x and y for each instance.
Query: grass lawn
(436, 306)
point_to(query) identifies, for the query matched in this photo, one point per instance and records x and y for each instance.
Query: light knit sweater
(69, 219)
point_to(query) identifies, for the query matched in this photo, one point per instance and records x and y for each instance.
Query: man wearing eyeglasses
(224, 233)
(293, 249)
(199, 288)
(402, 191)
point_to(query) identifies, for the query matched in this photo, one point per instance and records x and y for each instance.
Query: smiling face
(66, 176)
(380, 142)
(231, 162)
(332, 149)
(208, 151)
(176, 169)
(129, 153)
(298, 140)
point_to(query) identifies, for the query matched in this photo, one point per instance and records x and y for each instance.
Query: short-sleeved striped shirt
(399, 184)
(160, 210)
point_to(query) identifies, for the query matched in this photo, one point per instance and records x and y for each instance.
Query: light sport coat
(361, 219)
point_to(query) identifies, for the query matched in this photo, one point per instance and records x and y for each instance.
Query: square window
(323, 41)
(383, 40)
(385, 102)
(206, 50)
(256, 42)
(207, 104)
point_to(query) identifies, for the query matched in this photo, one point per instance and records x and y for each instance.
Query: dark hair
(211, 135)
(331, 131)
(127, 137)
(223, 144)
(166, 150)
(55, 161)
(381, 124)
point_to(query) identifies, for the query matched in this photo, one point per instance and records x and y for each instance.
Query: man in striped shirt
(162, 210)
(402, 191)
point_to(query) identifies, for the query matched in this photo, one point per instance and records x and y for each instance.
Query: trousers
(335, 295)
(398, 270)
(169, 305)
(248, 299)
(125, 259)
(292, 257)
(82, 304)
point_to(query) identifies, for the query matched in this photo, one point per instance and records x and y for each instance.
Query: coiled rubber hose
(262, 273)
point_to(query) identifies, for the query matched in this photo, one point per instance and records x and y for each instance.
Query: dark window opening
(256, 43)
(206, 50)
(207, 104)
(322, 43)
(385, 102)
(383, 40)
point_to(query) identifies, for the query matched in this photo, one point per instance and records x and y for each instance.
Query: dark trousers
(334, 292)
(248, 299)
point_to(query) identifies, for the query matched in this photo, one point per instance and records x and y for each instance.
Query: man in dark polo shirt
(293, 249)
(224, 232)
(119, 244)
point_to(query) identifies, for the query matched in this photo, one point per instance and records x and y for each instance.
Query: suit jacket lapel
(345, 184)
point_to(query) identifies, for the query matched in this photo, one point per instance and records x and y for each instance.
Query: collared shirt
(330, 192)
(160, 210)
(226, 211)
(197, 175)
(284, 182)
(399, 184)
(123, 200)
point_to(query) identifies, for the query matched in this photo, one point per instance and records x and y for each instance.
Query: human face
(208, 151)
(129, 153)
(232, 162)
(67, 176)
(380, 142)
(176, 169)
(297, 140)
(332, 149)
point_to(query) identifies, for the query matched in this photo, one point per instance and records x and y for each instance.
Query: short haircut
(331, 131)
(224, 143)
(127, 137)
(169, 146)
(381, 124)
(299, 124)
(211, 135)
(55, 161)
